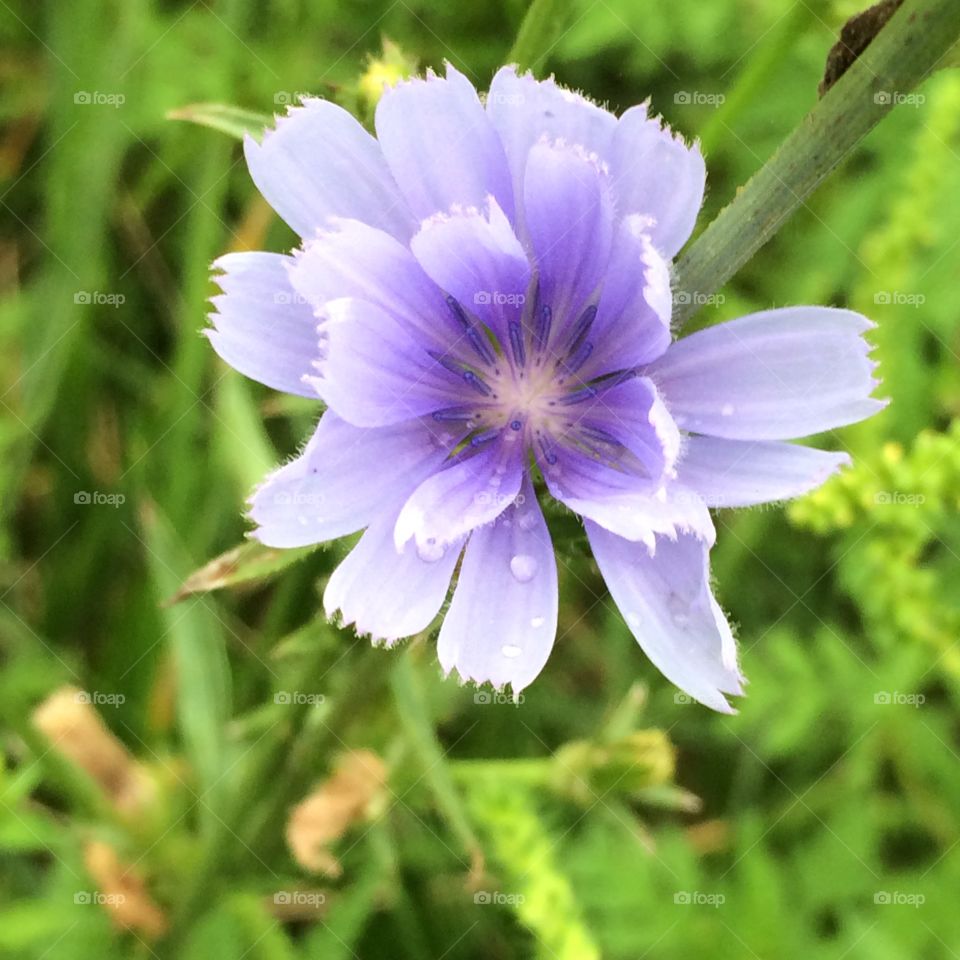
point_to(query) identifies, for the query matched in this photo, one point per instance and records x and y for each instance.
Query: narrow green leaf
(251, 562)
(903, 53)
(542, 27)
(228, 119)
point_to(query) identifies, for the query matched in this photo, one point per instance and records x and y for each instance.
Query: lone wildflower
(482, 300)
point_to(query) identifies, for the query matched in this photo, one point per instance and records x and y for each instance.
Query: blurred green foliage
(827, 820)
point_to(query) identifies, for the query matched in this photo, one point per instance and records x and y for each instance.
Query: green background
(820, 822)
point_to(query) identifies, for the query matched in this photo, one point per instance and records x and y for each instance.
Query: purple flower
(482, 298)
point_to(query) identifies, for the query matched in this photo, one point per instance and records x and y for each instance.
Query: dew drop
(527, 521)
(523, 567)
(431, 551)
(537, 622)
(679, 610)
(510, 650)
(726, 410)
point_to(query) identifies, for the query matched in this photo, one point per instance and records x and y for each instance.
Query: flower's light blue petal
(667, 604)
(319, 162)
(375, 371)
(740, 473)
(632, 326)
(385, 593)
(342, 480)
(441, 146)
(632, 493)
(261, 327)
(477, 259)
(569, 221)
(355, 260)
(503, 618)
(656, 174)
(524, 110)
(773, 375)
(471, 492)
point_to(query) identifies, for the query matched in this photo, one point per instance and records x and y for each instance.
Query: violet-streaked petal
(441, 146)
(632, 326)
(470, 492)
(632, 414)
(740, 473)
(667, 604)
(376, 372)
(569, 221)
(774, 375)
(319, 162)
(352, 259)
(502, 620)
(343, 477)
(477, 258)
(656, 174)
(260, 326)
(386, 593)
(524, 110)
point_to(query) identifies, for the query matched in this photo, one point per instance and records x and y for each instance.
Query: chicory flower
(482, 301)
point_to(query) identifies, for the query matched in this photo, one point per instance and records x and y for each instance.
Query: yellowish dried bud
(325, 815)
(75, 729)
(392, 66)
(122, 892)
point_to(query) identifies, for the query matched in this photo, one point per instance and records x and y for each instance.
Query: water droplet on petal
(679, 610)
(726, 410)
(510, 650)
(527, 520)
(431, 551)
(523, 567)
(537, 622)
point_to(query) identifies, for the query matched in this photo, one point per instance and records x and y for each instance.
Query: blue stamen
(479, 385)
(579, 357)
(582, 328)
(516, 342)
(544, 323)
(476, 339)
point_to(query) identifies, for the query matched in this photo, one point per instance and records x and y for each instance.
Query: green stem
(903, 53)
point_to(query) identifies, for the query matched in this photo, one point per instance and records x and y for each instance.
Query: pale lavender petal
(524, 110)
(502, 620)
(376, 372)
(632, 326)
(773, 375)
(477, 259)
(657, 175)
(342, 479)
(740, 473)
(473, 491)
(441, 146)
(667, 604)
(260, 326)
(355, 260)
(318, 163)
(569, 220)
(385, 593)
